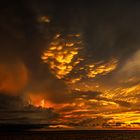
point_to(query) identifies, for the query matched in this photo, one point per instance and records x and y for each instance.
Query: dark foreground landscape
(72, 135)
(22, 134)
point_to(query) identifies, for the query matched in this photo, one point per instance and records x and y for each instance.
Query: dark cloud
(123, 103)
(13, 109)
(95, 122)
(85, 94)
(113, 32)
(8, 102)
(40, 116)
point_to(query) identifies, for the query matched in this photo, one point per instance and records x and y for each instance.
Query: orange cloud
(102, 69)
(13, 77)
(62, 55)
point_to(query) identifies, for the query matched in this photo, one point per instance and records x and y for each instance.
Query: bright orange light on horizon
(38, 100)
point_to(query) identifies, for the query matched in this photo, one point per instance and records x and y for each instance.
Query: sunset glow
(70, 64)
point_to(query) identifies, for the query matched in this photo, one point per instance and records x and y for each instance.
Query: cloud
(130, 71)
(15, 110)
(94, 122)
(123, 103)
(8, 102)
(40, 116)
(110, 60)
(13, 77)
(85, 94)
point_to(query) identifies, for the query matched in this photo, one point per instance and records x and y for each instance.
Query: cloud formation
(80, 58)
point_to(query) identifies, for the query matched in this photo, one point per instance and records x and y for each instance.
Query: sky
(70, 63)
